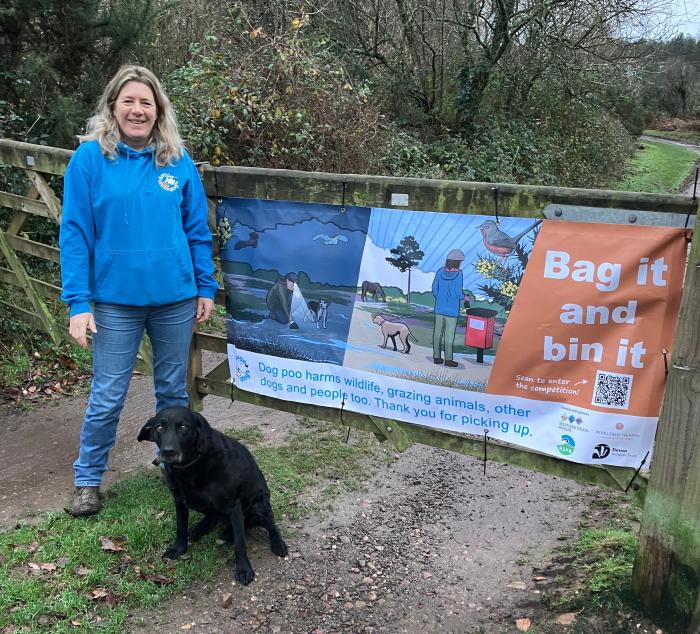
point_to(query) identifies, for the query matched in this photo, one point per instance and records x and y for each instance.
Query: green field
(659, 168)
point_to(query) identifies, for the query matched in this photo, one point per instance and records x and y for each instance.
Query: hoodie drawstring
(126, 180)
(127, 151)
(152, 174)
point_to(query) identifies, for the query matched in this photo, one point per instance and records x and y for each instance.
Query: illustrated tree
(504, 279)
(407, 255)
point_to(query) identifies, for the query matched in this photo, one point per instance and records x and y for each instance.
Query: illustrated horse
(372, 288)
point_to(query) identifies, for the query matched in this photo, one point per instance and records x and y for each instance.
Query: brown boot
(87, 501)
(450, 363)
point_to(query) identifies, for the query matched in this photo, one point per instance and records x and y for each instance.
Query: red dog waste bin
(479, 332)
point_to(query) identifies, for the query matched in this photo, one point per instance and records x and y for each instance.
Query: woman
(135, 256)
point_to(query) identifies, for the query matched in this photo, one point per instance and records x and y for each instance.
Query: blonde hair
(102, 126)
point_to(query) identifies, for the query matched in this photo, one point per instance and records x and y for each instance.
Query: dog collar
(189, 464)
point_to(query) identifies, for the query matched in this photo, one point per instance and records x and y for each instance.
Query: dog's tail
(411, 336)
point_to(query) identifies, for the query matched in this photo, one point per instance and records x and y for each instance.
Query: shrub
(281, 102)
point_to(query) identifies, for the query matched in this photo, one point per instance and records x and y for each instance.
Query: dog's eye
(159, 429)
(184, 428)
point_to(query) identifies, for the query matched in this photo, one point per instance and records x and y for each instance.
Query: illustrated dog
(393, 329)
(319, 312)
(215, 475)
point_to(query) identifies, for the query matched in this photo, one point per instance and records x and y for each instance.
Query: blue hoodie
(448, 293)
(133, 233)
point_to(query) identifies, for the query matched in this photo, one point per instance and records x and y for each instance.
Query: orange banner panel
(594, 318)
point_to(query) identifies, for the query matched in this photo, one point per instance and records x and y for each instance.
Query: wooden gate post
(666, 574)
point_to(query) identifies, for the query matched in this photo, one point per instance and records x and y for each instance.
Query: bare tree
(434, 49)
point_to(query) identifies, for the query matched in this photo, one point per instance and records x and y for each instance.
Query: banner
(549, 335)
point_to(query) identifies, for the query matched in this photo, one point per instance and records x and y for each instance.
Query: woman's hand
(204, 308)
(79, 326)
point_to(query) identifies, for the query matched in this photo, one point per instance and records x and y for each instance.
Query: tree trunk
(473, 94)
(408, 294)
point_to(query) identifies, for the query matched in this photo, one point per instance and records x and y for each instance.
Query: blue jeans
(114, 349)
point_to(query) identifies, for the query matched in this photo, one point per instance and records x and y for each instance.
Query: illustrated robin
(499, 242)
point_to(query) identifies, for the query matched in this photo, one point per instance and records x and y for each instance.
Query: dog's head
(323, 303)
(181, 435)
(378, 319)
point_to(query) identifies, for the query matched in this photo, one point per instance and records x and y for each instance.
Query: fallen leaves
(149, 574)
(82, 571)
(109, 597)
(566, 619)
(112, 546)
(523, 625)
(47, 376)
(40, 569)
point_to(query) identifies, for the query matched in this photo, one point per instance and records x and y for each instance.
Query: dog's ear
(203, 433)
(147, 430)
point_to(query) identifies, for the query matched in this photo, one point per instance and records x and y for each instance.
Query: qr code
(612, 390)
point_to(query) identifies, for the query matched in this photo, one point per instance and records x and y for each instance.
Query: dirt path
(431, 544)
(37, 448)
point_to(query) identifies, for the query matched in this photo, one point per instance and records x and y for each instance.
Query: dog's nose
(168, 454)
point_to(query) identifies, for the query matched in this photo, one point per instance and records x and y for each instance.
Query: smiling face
(135, 111)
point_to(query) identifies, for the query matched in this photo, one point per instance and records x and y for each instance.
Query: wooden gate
(670, 539)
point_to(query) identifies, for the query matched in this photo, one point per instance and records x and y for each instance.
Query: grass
(55, 576)
(658, 168)
(600, 574)
(611, 553)
(685, 136)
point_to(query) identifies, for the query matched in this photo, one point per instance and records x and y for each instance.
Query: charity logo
(571, 419)
(567, 446)
(168, 182)
(242, 370)
(601, 451)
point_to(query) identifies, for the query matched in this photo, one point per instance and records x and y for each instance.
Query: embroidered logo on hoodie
(168, 182)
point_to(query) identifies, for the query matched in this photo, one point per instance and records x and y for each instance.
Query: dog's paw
(279, 548)
(174, 552)
(245, 575)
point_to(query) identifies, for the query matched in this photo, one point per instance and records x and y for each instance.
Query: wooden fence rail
(680, 411)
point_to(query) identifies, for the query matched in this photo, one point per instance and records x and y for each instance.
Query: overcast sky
(687, 17)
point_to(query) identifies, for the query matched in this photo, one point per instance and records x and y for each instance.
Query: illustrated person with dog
(135, 257)
(448, 293)
(279, 300)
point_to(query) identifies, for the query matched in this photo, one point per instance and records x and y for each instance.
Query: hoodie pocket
(102, 267)
(146, 278)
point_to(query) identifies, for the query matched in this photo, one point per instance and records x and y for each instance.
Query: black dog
(215, 475)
